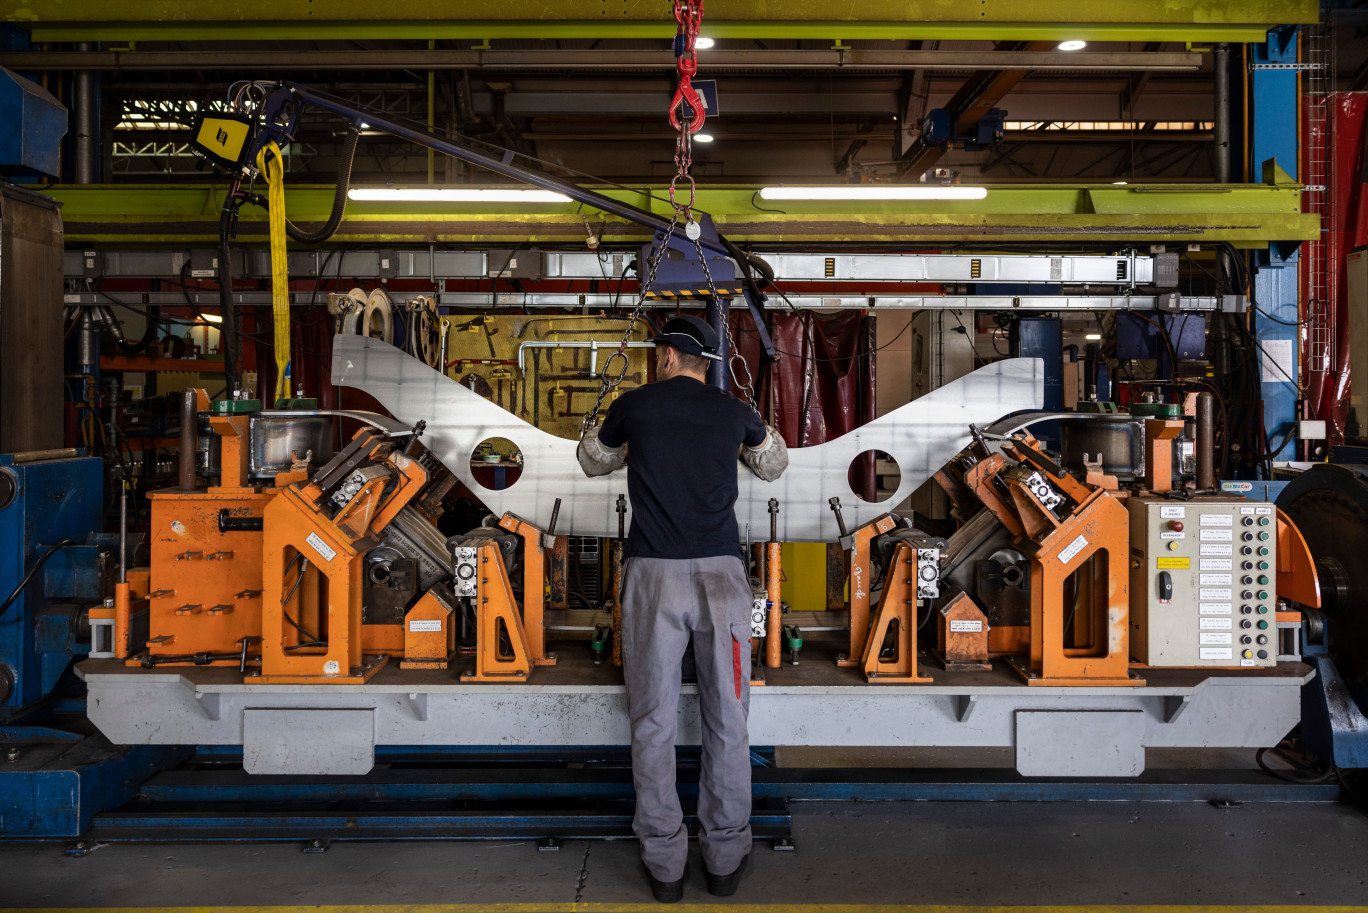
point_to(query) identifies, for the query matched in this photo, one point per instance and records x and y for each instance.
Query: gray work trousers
(664, 601)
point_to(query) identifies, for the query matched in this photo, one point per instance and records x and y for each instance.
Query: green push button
(1263, 580)
(1263, 537)
(1263, 610)
(1263, 565)
(1262, 551)
(1263, 594)
(1263, 625)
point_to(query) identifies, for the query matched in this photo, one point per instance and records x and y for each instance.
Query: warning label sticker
(1073, 548)
(1173, 564)
(425, 624)
(323, 548)
(966, 627)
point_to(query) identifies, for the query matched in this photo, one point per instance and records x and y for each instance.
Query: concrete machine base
(1055, 731)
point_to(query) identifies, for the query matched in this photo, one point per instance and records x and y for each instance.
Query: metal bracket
(211, 702)
(418, 703)
(1173, 706)
(964, 705)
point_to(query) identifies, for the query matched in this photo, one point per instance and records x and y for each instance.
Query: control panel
(1203, 581)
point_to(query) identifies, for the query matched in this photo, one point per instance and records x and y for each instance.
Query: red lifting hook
(689, 15)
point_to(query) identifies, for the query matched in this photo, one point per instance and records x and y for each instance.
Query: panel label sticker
(323, 548)
(1221, 595)
(1173, 564)
(425, 624)
(1249, 662)
(1214, 579)
(1173, 535)
(1217, 535)
(1217, 638)
(1217, 520)
(1246, 510)
(1215, 653)
(1263, 511)
(1213, 608)
(1217, 624)
(1172, 512)
(1216, 564)
(1209, 549)
(966, 627)
(1073, 548)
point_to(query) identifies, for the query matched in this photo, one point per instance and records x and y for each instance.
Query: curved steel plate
(921, 436)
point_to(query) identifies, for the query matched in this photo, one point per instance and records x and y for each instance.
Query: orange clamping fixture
(429, 636)
(497, 621)
(534, 586)
(897, 611)
(859, 587)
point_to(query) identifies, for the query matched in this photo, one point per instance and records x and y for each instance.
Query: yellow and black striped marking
(695, 293)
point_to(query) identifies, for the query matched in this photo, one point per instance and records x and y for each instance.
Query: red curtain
(823, 383)
(1346, 228)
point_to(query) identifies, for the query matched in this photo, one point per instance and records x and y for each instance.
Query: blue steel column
(1273, 98)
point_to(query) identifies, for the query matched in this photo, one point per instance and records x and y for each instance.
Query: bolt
(12, 755)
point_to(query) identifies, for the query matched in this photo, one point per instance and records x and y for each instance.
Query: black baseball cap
(690, 335)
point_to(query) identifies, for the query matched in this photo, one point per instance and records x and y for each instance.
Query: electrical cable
(52, 550)
(339, 205)
(1295, 774)
(299, 578)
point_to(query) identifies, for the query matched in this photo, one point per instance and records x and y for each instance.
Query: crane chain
(611, 380)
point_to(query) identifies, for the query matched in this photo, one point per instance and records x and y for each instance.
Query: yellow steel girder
(1241, 214)
(1120, 20)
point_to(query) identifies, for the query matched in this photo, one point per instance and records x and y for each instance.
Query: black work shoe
(726, 885)
(667, 891)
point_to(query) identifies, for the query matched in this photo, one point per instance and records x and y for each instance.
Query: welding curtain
(822, 386)
(1347, 185)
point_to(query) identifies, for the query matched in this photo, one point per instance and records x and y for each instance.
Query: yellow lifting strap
(274, 172)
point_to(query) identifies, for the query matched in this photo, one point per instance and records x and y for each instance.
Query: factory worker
(683, 576)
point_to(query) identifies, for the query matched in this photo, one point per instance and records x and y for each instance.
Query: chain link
(734, 357)
(609, 380)
(689, 14)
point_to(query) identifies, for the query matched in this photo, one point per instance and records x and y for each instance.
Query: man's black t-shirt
(683, 438)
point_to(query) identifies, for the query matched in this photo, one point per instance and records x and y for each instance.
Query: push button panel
(1203, 581)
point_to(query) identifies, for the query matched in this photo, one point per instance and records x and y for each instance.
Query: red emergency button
(1176, 525)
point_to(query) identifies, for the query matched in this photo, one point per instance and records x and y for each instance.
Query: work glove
(596, 459)
(770, 459)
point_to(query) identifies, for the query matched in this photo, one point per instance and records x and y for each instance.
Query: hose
(33, 570)
(339, 206)
(229, 327)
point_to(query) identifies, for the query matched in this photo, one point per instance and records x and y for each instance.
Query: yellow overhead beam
(1118, 20)
(1196, 12)
(1247, 215)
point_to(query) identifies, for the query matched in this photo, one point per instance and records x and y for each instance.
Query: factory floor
(949, 854)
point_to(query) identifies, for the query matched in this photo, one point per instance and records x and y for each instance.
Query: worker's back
(683, 438)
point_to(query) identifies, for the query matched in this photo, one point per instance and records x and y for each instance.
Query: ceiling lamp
(455, 195)
(875, 192)
(702, 44)
(702, 137)
(1073, 45)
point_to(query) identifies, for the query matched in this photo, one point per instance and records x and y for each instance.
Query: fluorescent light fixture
(1074, 45)
(213, 318)
(1119, 183)
(455, 195)
(703, 43)
(876, 192)
(703, 137)
(1093, 337)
